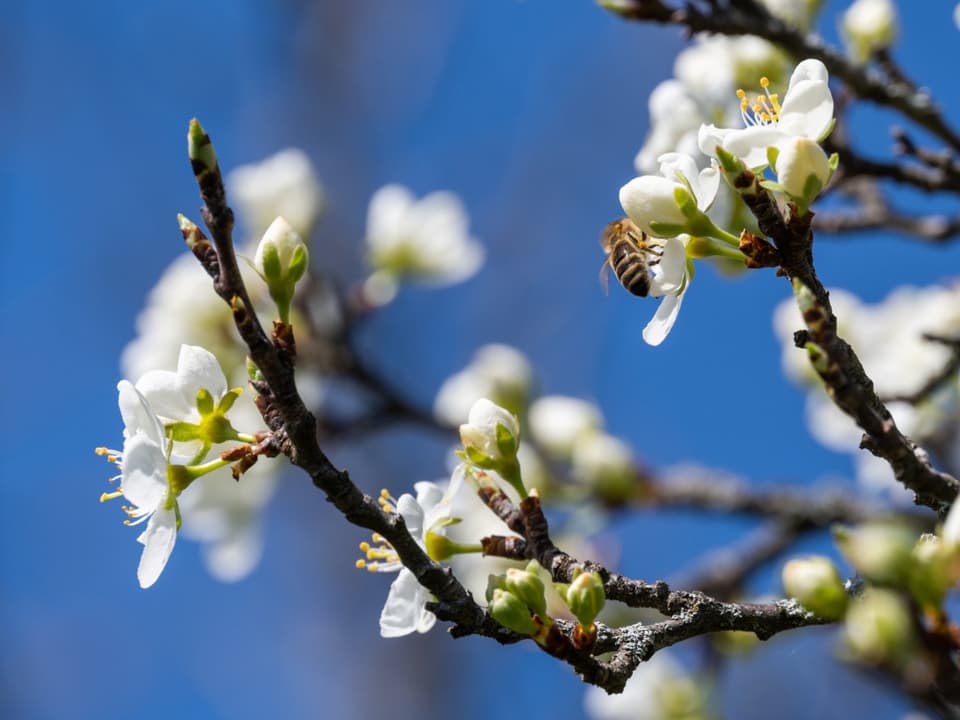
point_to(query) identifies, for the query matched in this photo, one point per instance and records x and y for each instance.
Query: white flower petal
(428, 495)
(750, 144)
(138, 416)
(662, 322)
(234, 556)
(198, 368)
(162, 389)
(405, 609)
(649, 199)
(669, 274)
(158, 541)
(388, 208)
(144, 473)
(807, 110)
(709, 137)
(412, 514)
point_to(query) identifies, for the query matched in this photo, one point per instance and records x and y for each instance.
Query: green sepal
(478, 458)
(204, 402)
(528, 586)
(270, 268)
(253, 372)
(730, 163)
(830, 127)
(511, 612)
(506, 442)
(667, 230)
(183, 431)
(833, 162)
(773, 152)
(686, 203)
(229, 398)
(298, 264)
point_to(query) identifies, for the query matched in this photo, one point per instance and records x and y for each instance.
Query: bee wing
(605, 277)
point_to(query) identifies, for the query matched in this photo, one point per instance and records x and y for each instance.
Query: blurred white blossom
(888, 339)
(283, 184)
(659, 689)
(499, 372)
(867, 26)
(426, 240)
(556, 421)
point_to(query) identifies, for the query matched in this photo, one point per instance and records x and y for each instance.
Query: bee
(629, 255)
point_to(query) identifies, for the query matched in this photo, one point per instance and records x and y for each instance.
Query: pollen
(379, 556)
(764, 110)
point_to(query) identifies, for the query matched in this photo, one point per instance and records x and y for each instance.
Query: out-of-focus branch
(747, 17)
(946, 374)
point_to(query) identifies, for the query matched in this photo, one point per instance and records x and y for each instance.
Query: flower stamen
(765, 109)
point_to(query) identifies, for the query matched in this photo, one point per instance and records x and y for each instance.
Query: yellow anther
(364, 546)
(740, 93)
(764, 82)
(384, 493)
(110, 496)
(377, 538)
(101, 451)
(126, 522)
(361, 564)
(388, 508)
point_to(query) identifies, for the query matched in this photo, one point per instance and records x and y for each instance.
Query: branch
(751, 18)
(834, 360)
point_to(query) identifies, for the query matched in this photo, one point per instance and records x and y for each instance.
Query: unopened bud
(880, 552)
(585, 597)
(511, 612)
(816, 584)
(803, 170)
(868, 26)
(281, 259)
(879, 628)
(527, 585)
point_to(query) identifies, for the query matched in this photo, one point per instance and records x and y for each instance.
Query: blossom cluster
(672, 207)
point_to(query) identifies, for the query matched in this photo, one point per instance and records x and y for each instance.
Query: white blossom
(806, 111)
(659, 689)
(499, 372)
(173, 395)
(425, 239)
(556, 421)
(675, 119)
(144, 483)
(481, 432)
(889, 340)
(651, 201)
(869, 25)
(283, 184)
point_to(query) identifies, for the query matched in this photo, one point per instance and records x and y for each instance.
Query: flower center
(379, 554)
(765, 109)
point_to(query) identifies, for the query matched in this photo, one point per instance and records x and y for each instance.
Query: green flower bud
(880, 552)
(879, 628)
(199, 148)
(281, 260)
(816, 584)
(527, 585)
(802, 169)
(511, 612)
(585, 597)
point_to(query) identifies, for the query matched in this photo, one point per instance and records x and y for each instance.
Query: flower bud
(281, 259)
(869, 25)
(511, 612)
(605, 463)
(816, 584)
(556, 421)
(881, 552)
(527, 585)
(879, 628)
(585, 596)
(650, 199)
(802, 169)
(490, 434)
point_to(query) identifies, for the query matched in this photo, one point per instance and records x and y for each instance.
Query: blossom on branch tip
(405, 609)
(425, 239)
(145, 482)
(557, 421)
(806, 111)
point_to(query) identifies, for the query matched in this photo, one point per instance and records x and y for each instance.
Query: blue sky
(532, 112)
